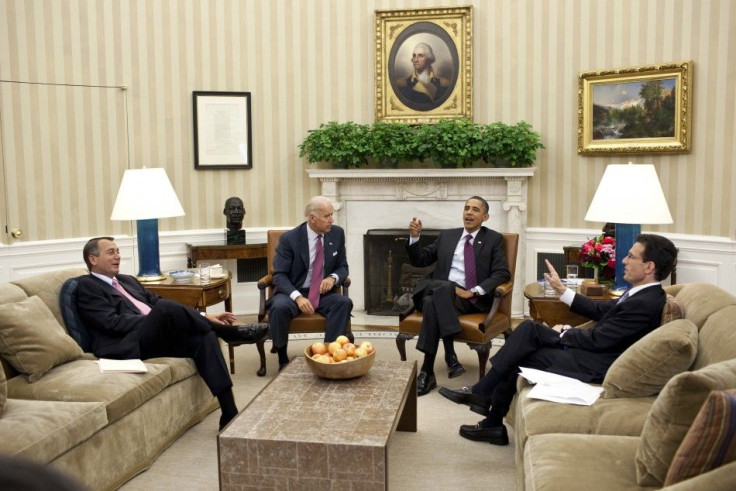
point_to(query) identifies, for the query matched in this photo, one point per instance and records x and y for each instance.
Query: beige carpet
(435, 457)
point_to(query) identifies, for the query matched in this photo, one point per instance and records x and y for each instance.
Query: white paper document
(108, 365)
(558, 388)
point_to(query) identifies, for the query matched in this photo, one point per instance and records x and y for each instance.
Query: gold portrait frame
(612, 120)
(449, 92)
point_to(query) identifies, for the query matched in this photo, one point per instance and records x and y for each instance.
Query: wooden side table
(207, 252)
(551, 310)
(200, 296)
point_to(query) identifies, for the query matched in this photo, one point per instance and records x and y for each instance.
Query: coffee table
(304, 432)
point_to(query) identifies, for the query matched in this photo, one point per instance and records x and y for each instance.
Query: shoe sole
(492, 441)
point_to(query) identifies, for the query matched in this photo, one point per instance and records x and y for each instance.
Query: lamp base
(149, 278)
(625, 237)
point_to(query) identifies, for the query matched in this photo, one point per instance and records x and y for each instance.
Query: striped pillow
(710, 442)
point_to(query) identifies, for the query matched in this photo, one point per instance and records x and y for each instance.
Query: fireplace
(389, 278)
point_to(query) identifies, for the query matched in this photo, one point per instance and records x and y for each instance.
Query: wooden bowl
(342, 370)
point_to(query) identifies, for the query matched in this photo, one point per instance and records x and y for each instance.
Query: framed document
(222, 130)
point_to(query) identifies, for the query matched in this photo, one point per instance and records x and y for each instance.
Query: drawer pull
(222, 293)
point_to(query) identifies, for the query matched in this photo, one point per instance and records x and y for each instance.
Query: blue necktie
(624, 297)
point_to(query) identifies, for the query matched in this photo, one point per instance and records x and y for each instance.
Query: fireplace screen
(389, 278)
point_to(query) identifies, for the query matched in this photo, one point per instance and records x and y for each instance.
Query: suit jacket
(619, 325)
(112, 318)
(491, 268)
(291, 263)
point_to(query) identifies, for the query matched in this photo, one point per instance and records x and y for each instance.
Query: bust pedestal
(235, 237)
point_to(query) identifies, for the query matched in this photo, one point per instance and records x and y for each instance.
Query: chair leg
(484, 351)
(231, 355)
(401, 344)
(262, 354)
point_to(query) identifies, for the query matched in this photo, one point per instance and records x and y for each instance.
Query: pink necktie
(144, 308)
(317, 273)
(469, 256)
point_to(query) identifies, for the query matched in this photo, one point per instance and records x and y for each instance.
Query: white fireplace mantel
(366, 199)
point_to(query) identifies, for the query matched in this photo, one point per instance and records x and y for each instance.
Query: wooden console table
(208, 252)
(551, 310)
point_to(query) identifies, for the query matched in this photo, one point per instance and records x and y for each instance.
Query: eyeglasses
(631, 257)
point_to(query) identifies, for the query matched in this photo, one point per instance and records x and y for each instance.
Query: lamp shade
(629, 193)
(145, 194)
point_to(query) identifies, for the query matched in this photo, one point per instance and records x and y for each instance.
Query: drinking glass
(572, 276)
(204, 272)
(548, 290)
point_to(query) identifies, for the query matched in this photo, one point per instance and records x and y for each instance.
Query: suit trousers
(335, 307)
(531, 345)
(440, 308)
(171, 329)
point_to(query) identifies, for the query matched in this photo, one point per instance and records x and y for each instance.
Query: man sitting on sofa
(127, 321)
(580, 353)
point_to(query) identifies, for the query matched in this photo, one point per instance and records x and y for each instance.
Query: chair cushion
(710, 442)
(32, 340)
(644, 368)
(672, 414)
(74, 324)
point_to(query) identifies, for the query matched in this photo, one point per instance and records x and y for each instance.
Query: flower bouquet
(599, 253)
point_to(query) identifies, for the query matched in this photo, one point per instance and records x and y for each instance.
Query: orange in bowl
(339, 369)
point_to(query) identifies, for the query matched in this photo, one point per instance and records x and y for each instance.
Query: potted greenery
(392, 142)
(510, 146)
(343, 144)
(450, 142)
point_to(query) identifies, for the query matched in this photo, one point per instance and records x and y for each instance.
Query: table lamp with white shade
(628, 195)
(145, 195)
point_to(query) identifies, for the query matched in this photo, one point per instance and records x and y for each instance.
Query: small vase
(595, 275)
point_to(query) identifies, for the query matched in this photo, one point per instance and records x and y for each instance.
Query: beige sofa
(628, 438)
(101, 429)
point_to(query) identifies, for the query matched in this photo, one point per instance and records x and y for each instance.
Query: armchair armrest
(499, 293)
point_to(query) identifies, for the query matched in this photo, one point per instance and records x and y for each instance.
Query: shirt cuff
(413, 240)
(478, 289)
(294, 295)
(567, 297)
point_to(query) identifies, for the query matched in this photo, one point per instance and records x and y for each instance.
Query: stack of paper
(558, 388)
(131, 366)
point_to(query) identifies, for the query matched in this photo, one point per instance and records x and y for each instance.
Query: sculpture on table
(234, 211)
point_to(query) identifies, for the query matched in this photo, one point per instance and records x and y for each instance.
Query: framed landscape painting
(644, 109)
(424, 64)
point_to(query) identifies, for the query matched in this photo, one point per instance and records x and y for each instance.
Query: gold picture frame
(644, 109)
(441, 41)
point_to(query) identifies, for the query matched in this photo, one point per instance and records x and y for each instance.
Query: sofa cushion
(673, 413)
(717, 339)
(3, 391)
(32, 340)
(46, 286)
(82, 381)
(711, 440)
(672, 310)
(700, 300)
(646, 366)
(74, 325)
(10, 293)
(44, 430)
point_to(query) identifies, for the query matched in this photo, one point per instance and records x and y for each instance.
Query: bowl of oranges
(340, 359)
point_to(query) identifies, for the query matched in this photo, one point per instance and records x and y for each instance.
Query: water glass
(548, 290)
(572, 276)
(204, 272)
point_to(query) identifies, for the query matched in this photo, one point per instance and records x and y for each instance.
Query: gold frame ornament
(644, 109)
(424, 69)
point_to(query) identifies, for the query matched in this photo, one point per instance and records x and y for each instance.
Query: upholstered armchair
(478, 330)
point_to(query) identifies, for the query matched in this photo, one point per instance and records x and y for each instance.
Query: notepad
(558, 388)
(108, 365)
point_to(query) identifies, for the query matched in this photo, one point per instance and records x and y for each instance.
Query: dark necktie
(470, 280)
(624, 297)
(144, 308)
(317, 273)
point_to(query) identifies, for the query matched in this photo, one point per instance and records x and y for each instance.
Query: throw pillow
(672, 414)
(74, 324)
(710, 441)
(32, 340)
(3, 390)
(644, 368)
(672, 310)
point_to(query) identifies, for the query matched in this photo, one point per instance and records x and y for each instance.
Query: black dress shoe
(425, 383)
(283, 365)
(464, 395)
(454, 367)
(242, 334)
(495, 435)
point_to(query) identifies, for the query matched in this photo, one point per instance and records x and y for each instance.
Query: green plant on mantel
(510, 146)
(392, 142)
(343, 144)
(450, 142)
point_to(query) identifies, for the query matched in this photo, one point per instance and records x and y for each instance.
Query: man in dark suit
(302, 287)
(585, 354)
(128, 321)
(457, 285)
